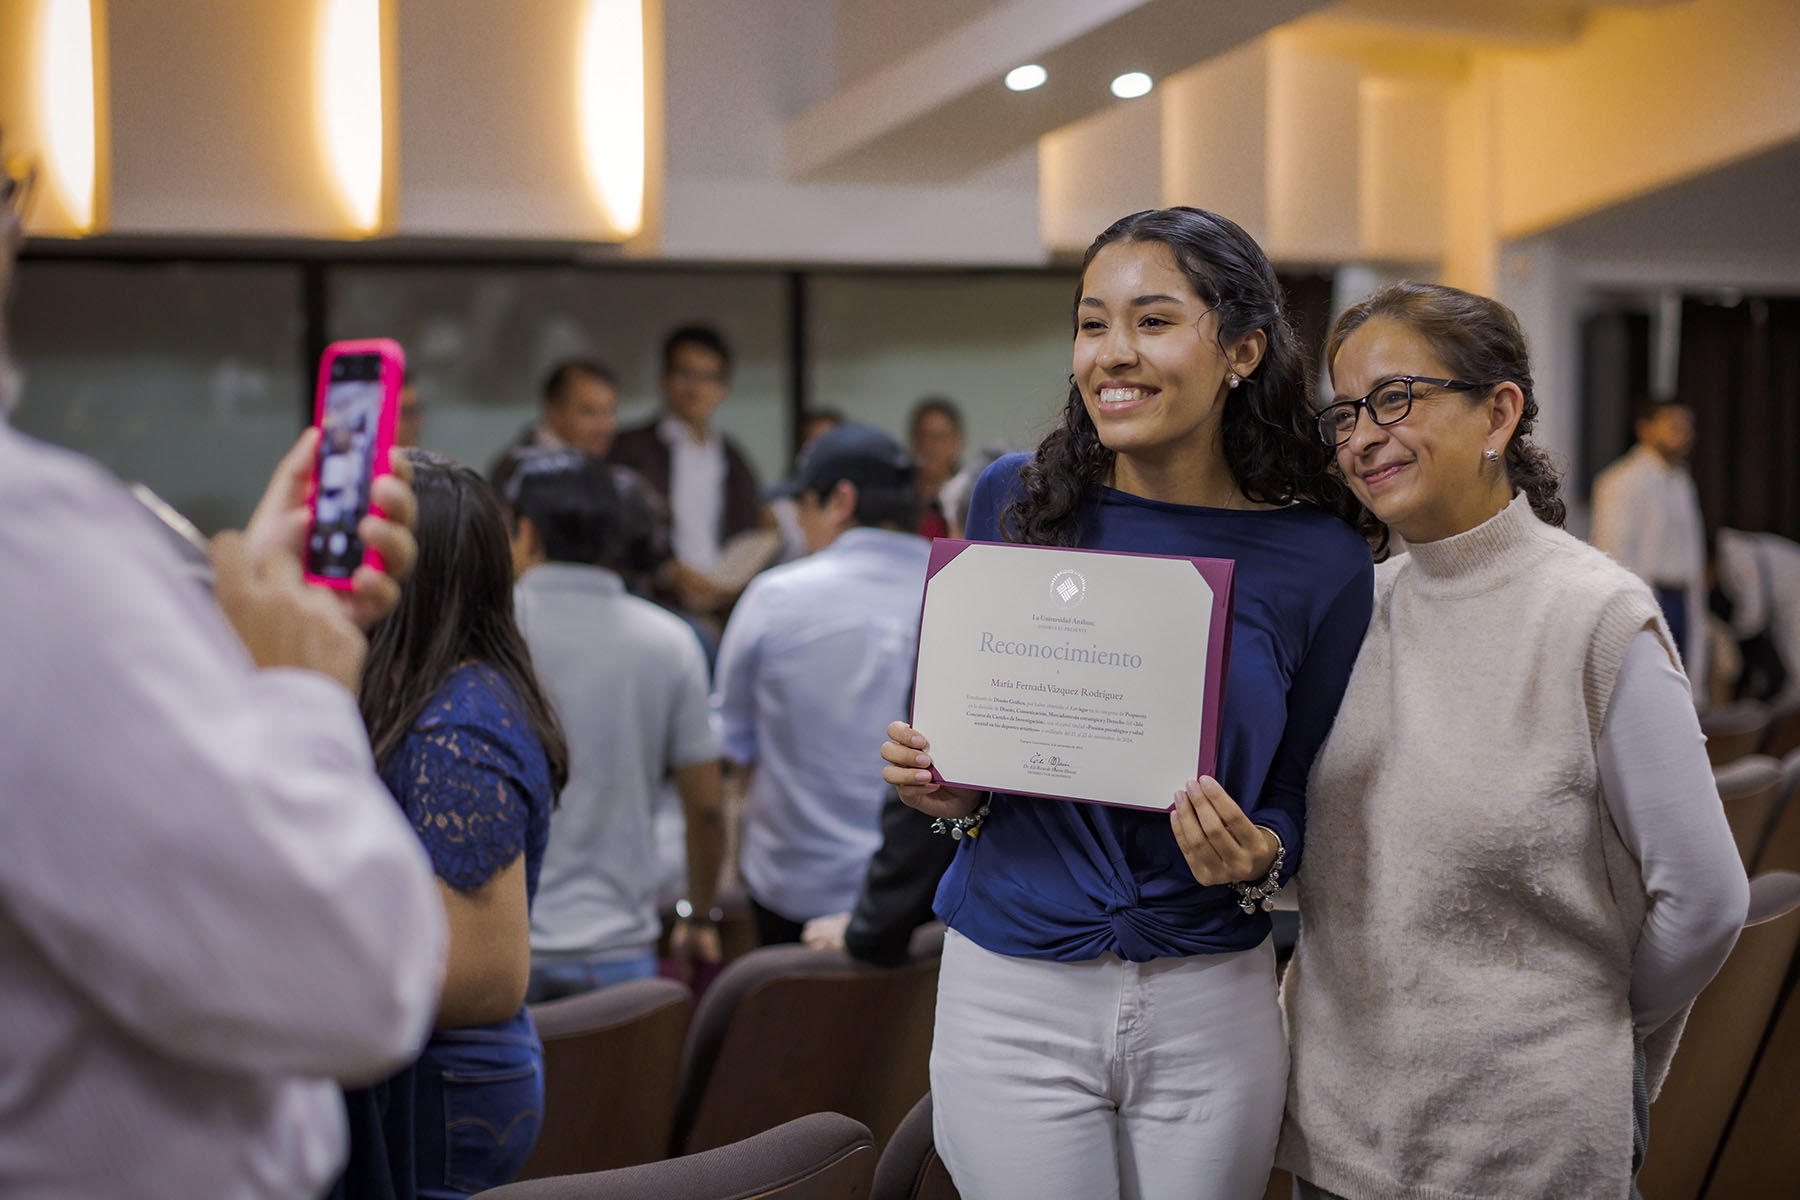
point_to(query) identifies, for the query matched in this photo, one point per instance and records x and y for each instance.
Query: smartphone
(357, 408)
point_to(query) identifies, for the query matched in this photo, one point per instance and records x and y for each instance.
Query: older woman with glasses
(1518, 871)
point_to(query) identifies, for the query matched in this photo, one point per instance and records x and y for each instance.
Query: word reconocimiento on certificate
(993, 644)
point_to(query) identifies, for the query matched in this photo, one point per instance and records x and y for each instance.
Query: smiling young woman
(1520, 871)
(1107, 1024)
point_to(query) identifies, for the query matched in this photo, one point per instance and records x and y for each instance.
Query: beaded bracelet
(1262, 892)
(961, 827)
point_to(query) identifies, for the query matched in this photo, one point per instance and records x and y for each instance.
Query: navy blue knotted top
(1060, 880)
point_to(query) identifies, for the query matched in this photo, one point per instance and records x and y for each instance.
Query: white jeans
(1107, 1079)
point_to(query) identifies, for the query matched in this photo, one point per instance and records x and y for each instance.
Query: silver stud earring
(1491, 454)
(1234, 380)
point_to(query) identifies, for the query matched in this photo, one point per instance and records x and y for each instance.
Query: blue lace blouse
(472, 778)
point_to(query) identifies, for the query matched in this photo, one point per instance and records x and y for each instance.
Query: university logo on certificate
(1086, 675)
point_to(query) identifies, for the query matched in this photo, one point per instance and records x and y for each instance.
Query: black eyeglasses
(1388, 404)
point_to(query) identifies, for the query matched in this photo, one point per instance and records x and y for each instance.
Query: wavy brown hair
(1481, 343)
(1271, 442)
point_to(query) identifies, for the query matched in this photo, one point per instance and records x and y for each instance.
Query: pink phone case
(393, 372)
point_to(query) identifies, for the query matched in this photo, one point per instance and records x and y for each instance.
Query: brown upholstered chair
(1748, 787)
(910, 1168)
(1761, 1154)
(822, 1156)
(787, 1030)
(610, 1067)
(1724, 1031)
(1734, 730)
(1781, 849)
(1783, 737)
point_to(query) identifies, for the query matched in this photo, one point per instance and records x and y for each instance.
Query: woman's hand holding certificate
(1217, 839)
(905, 753)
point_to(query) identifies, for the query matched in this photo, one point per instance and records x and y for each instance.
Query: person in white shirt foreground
(816, 651)
(195, 841)
(1518, 872)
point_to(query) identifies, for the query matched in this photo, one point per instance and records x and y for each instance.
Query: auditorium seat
(821, 1156)
(910, 1168)
(787, 1030)
(1748, 788)
(1724, 1031)
(1781, 849)
(1761, 1154)
(1734, 730)
(1783, 737)
(611, 1059)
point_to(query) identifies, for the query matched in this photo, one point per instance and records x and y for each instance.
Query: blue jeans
(480, 1104)
(554, 980)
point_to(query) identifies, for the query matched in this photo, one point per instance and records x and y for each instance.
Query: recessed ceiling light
(1131, 85)
(1023, 79)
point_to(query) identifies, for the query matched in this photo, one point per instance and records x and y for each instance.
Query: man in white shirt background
(818, 652)
(711, 489)
(210, 907)
(1647, 516)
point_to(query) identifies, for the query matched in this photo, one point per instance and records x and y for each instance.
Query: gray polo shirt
(628, 682)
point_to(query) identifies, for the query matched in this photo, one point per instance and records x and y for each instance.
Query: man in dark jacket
(711, 489)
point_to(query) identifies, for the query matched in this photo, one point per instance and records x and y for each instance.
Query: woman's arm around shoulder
(1659, 789)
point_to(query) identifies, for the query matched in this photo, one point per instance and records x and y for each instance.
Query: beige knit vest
(1459, 1002)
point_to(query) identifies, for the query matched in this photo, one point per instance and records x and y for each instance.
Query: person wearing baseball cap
(816, 649)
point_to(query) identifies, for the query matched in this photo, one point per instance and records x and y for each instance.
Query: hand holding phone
(355, 413)
(282, 622)
(283, 518)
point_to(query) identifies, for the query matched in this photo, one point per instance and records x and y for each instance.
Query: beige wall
(1644, 99)
(214, 121)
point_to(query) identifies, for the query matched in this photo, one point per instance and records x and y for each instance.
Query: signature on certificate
(1050, 765)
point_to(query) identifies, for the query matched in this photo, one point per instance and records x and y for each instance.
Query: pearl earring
(1491, 454)
(1234, 380)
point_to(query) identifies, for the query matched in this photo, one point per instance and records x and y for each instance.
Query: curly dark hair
(1271, 443)
(1481, 343)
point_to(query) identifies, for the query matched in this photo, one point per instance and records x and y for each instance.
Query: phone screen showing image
(347, 437)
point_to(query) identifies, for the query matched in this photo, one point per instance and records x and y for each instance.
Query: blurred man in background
(629, 684)
(580, 411)
(711, 489)
(412, 414)
(818, 651)
(1647, 516)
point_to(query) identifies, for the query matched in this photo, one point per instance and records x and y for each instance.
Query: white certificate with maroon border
(1086, 675)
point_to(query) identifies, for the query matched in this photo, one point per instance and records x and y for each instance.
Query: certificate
(1075, 674)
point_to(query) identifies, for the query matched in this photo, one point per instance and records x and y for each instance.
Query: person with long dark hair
(1107, 1022)
(469, 746)
(1521, 873)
